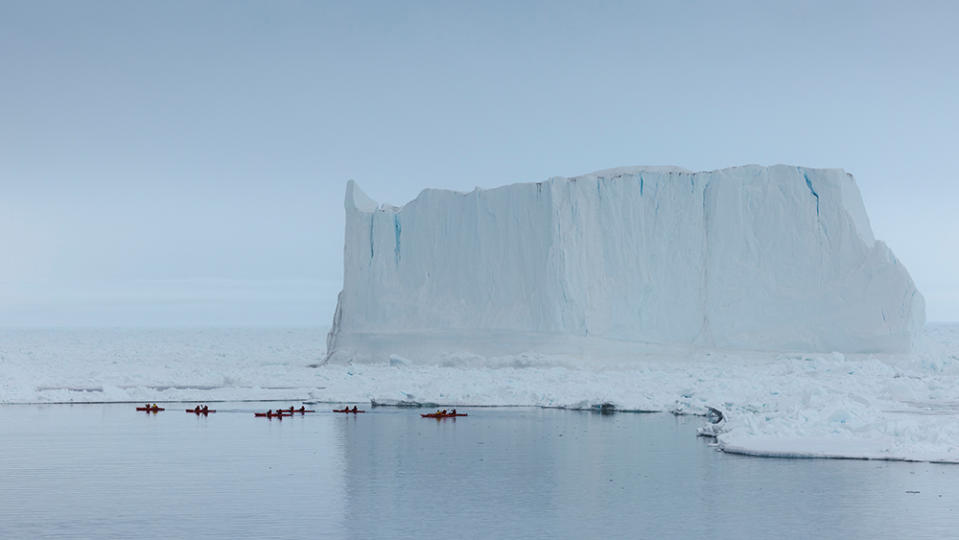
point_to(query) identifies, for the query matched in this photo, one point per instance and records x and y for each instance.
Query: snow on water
(774, 258)
(902, 406)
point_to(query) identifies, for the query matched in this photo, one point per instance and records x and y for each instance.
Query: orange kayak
(441, 415)
(347, 411)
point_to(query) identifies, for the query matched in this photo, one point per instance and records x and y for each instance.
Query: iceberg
(778, 258)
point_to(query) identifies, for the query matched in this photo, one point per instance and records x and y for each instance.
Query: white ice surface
(903, 406)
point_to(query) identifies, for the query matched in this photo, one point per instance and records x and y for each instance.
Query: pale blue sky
(185, 162)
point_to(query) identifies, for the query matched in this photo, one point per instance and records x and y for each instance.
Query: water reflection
(105, 471)
(559, 474)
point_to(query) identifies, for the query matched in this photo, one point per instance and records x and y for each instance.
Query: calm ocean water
(107, 471)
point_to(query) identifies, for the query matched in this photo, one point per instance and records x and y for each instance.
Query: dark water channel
(106, 471)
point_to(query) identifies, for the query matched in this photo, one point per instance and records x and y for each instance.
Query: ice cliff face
(772, 258)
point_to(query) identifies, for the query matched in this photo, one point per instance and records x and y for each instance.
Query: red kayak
(296, 411)
(441, 415)
(272, 415)
(201, 411)
(348, 411)
(151, 409)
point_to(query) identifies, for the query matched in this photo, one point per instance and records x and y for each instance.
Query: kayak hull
(434, 415)
(348, 411)
(151, 409)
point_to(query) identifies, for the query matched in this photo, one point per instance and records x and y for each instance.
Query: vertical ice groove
(396, 232)
(372, 221)
(811, 190)
(704, 330)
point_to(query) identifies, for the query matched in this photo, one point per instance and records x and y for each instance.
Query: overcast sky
(185, 162)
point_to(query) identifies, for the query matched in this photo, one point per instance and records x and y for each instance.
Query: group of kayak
(280, 413)
(199, 409)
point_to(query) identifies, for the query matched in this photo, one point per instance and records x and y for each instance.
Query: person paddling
(354, 408)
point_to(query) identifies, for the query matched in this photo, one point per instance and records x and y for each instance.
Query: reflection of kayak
(150, 409)
(441, 415)
(208, 411)
(347, 411)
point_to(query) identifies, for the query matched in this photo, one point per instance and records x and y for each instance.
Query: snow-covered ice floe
(878, 406)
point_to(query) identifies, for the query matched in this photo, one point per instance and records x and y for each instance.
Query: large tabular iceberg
(767, 258)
